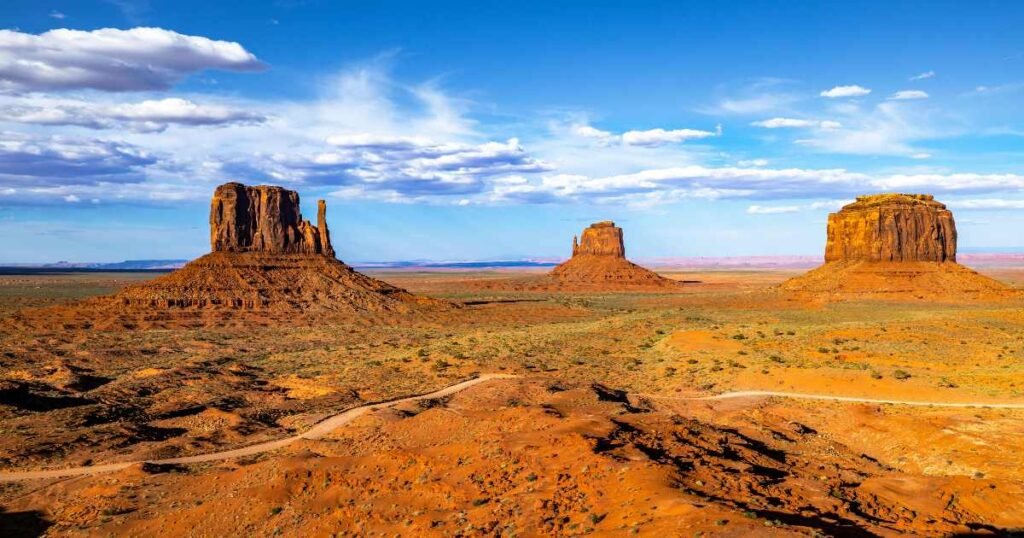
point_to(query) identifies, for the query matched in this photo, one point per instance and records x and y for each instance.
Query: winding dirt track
(331, 423)
(826, 397)
(316, 432)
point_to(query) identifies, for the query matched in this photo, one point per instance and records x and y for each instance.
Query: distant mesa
(598, 263)
(897, 246)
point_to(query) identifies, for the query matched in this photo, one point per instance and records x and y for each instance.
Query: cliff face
(600, 239)
(265, 219)
(892, 228)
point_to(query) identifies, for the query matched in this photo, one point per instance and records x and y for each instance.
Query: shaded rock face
(600, 239)
(265, 219)
(892, 228)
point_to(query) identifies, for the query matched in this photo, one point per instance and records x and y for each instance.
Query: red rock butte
(892, 228)
(265, 219)
(599, 262)
(266, 260)
(893, 246)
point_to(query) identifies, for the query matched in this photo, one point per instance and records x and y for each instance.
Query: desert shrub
(901, 374)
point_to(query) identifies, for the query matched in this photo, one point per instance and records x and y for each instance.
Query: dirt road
(331, 423)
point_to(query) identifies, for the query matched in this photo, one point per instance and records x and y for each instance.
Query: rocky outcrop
(265, 219)
(892, 228)
(893, 246)
(600, 239)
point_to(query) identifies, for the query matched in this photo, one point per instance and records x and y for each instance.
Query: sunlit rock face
(892, 228)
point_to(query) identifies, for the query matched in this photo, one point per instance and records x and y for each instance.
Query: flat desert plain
(709, 410)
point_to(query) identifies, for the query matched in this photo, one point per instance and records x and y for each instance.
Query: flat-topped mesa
(892, 228)
(265, 219)
(600, 239)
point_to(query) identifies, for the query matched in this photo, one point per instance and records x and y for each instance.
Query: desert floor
(596, 434)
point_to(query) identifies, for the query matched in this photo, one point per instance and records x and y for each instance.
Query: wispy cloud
(145, 116)
(644, 138)
(907, 95)
(923, 76)
(845, 91)
(796, 123)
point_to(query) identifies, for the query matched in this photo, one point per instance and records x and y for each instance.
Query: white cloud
(772, 210)
(648, 138)
(923, 76)
(111, 59)
(657, 137)
(986, 203)
(920, 156)
(586, 131)
(753, 162)
(670, 184)
(890, 128)
(906, 95)
(783, 123)
(144, 116)
(846, 91)
(57, 15)
(45, 161)
(71, 198)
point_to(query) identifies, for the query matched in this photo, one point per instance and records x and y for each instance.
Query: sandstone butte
(265, 260)
(893, 246)
(599, 262)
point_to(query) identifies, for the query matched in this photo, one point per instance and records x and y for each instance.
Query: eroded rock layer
(600, 239)
(894, 246)
(265, 219)
(892, 228)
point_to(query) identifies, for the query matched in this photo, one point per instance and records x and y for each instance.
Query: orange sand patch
(690, 341)
(303, 389)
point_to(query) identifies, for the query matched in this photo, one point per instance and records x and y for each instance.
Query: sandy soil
(592, 439)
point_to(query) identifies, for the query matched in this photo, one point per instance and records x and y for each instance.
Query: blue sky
(484, 130)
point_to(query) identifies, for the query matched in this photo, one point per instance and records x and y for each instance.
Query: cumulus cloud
(648, 138)
(386, 167)
(144, 116)
(846, 91)
(923, 76)
(781, 123)
(986, 203)
(111, 59)
(38, 162)
(907, 95)
(670, 184)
